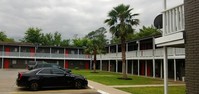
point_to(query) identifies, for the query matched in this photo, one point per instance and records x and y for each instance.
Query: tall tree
(80, 42)
(121, 21)
(4, 38)
(65, 42)
(144, 32)
(96, 44)
(33, 35)
(57, 39)
(47, 39)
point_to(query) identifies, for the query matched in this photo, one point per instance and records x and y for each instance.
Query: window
(57, 71)
(14, 62)
(45, 71)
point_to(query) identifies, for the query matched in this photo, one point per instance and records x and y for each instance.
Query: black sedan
(35, 65)
(48, 78)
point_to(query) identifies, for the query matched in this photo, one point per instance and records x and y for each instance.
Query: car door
(46, 78)
(69, 80)
(59, 77)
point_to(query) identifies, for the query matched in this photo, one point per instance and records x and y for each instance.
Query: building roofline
(33, 45)
(140, 39)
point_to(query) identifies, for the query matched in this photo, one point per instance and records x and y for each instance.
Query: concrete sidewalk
(151, 85)
(103, 89)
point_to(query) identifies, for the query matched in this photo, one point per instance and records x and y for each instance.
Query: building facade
(192, 45)
(144, 58)
(173, 34)
(17, 55)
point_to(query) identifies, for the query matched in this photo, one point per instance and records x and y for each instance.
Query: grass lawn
(109, 78)
(155, 90)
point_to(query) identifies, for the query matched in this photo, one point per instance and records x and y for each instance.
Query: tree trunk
(94, 63)
(123, 58)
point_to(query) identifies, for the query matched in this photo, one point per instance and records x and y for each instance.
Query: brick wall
(192, 45)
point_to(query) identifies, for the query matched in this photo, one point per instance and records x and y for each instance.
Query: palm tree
(121, 21)
(96, 44)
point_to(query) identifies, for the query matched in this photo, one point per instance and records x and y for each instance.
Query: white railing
(46, 55)
(179, 51)
(145, 53)
(174, 20)
(131, 54)
(170, 51)
(158, 52)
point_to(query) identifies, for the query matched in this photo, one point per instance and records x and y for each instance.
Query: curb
(98, 90)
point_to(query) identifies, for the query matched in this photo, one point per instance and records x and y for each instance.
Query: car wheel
(34, 86)
(78, 84)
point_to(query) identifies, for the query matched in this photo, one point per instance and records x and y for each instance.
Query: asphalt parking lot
(8, 85)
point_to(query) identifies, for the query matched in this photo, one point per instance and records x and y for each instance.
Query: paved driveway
(8, 85)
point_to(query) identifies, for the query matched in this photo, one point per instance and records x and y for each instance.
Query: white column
(100, 65)
(64, 63)
(138, 55)
(109, 67)
(126, 49)
(164, 17)
(138, 49)
(35, 53)
(153, 57)
(50, 51)
(78, 52)
(165, 4)
(64, 53)
(19, 50)
(91, 63)
(2, 57)
(165, 71)
(161, 69)
(138, 67)
(153, 68)
(126, 59)
(132, 67)
(109, 49)
(116, 66)
(2, 63)
(126, 66)
(174, 69)
(138, 42)
(145, 67)
(116, 49)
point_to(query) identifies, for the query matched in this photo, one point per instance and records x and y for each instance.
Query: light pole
(165, 53)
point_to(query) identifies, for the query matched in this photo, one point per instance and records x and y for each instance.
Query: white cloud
(70, 17)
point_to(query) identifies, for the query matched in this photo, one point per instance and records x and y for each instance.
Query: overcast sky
(70, 17)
